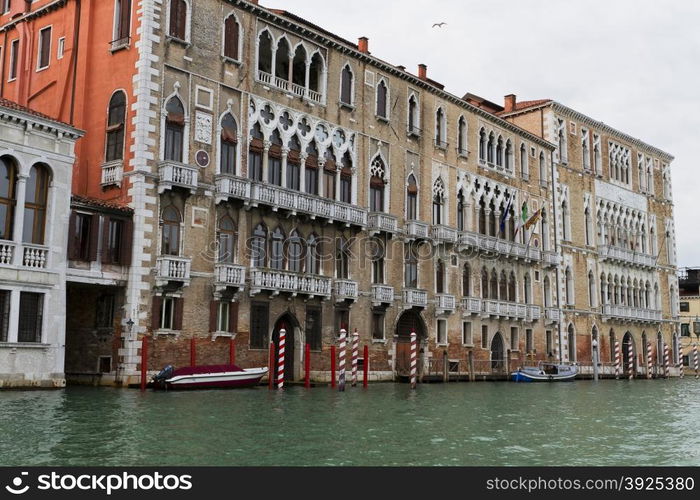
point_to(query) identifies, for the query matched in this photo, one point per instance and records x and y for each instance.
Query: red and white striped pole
(680, 360)
(355, 346)
(280, 359)
(667, 368)
(617, 359)
(341, 360)
(630, 359)
(649, 362)
(414, 337)
(695, 359)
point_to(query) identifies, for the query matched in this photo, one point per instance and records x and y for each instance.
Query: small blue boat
(545, 372)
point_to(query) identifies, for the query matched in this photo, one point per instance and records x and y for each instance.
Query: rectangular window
(685, 329)
(685, 306)
(122, 21)
(311, 180)
(104, 311)
(313, 328)
(514, 338)
(44, 55)
(167, 313)
(467, 333)
(484, 337)
(345, 188)
(293, 172)
(222, 320)
(59, 53)
(329, 184)
(4, 314)
(83, 224)
(14, 56)
(31, 312)
(342, 320)
(529, 345)
(377, 325)
(115, 239)
(105, 364)
(255, 165)
(274, 170)
(548, 337)
(6, 6)
(442, 331)
(259, 316)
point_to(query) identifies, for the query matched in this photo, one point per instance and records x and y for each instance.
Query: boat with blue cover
(545, 372)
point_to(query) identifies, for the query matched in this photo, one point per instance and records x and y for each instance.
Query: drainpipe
(76, 46)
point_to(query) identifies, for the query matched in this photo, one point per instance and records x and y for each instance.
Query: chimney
(509, 103)
(363, 45)
(422, 72)
(401, 67)
(253, 2)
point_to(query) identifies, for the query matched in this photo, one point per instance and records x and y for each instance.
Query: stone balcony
(173, 174)
(382, 294)
(446, 304)
(631, 314)
(23, 255)
(231, 187)
(505, 248)
(551, 315)
(379, 221)
(443, 234)
(471, 305)
(288, 87)
(172, 268)
(414, 297)
(417, 230)
(512, 310)
(229, 275)
(550, 259)
(345, 290)
(112, 173)
(277, 281)
(626, 256)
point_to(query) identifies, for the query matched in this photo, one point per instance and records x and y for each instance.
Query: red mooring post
(332, 367)
(307, 365)
(365, 366)
(144, 361)
(193, 352)
(231, 352)
(271, 366)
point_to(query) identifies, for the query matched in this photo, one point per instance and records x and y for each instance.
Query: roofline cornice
(8, 114)
(36, 13)
(321, 39)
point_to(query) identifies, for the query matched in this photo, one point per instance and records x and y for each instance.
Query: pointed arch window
(295, 252)
(511, 287)
(524, 168)
(311, 170)
(228, 145)
(265, 56)
(346, 85)
(376, 185)
(484, 284)
(461, 207)
(329, 174)
(231, 38)
(438, 201)
(174, 129)
(503, 287)
(569, 286)
(8, 176)
(482, 145)
(527, 288)
(382, 97)
(440, 277)
(116, 118)
(277, 248)
(346, 178)
(591, 289)
(258, 246)
(413, 116)
(462, 136)
(178, 19)
(255, 154)
(342, 258)
(170, 231)
(316, 69)
(491, 148)
(493, 285)
(226, 240)
(313, 254)
(499, 151)
(466, 280)
(440, 128)
(294, 164)
(410, 267)
(412, 198)
(543, 169)
(509, 155)
(274, 161)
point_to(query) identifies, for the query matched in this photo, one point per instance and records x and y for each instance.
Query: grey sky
(631, 64)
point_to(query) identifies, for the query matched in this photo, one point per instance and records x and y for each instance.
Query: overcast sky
(634, 65)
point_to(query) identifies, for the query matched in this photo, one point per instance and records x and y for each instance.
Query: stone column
(283, 181)
(18, 220)
(265, 160)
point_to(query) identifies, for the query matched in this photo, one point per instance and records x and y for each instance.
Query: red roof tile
(6, 103)
(98, 203)
(519, 106)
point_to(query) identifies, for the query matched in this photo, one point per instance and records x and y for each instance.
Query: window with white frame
(413, 115)
(619, 159)
(223, 316)
(346, 86)
(61, 47)
(514, 338)
(167, 313)
(231, 45)
(524, 167)
(529, 341)
(122, 23)
(44, 55)
(382, 99)
(178, 26)
(597, 155)
(442, 331)
(14, 60)
(31, 313)
(467, 333)
(440, 128)
(585, 149)
(562, 141)
(462, 136)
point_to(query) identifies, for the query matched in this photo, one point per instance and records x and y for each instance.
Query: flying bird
(439, 25)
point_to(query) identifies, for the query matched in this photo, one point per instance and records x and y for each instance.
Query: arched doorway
(628, 341)
(291, 326)
(409, 321)
(497, 353)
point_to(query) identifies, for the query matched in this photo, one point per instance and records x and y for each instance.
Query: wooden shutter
(233, 317)
(94, 233)
(155, 312)
(231, 38)
(73, 243)
(178, 19)
(127, 238)
(177, 314)
(213, 315)
(106, 254)
(124, 19)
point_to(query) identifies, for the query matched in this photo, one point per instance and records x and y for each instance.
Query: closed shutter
(233, 317)
(124, 19)
(231, 39)
(177, 314)
(106, 254)
(73, 242)
(155, 312)
(213, 315)
(94, 233)
(178, 18)
(127, 238)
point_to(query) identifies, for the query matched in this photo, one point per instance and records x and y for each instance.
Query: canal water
(581, 423)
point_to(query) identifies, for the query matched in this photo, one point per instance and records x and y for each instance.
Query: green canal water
(581, 423)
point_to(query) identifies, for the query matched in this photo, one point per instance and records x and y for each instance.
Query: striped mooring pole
(355, 346)
(695, 359)
(280, 359)
(680, 361)
(649, 363)
(617, 359)
(667, 368)
(630, 360)
(341, 360)
(414, 338)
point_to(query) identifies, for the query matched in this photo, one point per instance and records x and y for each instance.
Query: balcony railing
(174, 174)
(551, 315)
(445, 303)
(278, 281)
(346, 290)
(173, 268)
(630, 313)
(35, 256)
(413, 297)
(504, 309)
(413, 130)
(112, 173)
(287, 86)
(443, 234)
(7, 252)
(626, 256)
(471, 305)
(382, 294)
(550, 259)
(378, 221)
(232, 275)
(534, 313)
(417, 230)
(491, 244)
(230, 186)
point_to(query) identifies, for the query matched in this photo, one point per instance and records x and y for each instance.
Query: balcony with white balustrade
(231, 187)
(24, 255)
(505, 309)
(443, 234)
(171, 268)
(278, 281)
(382, 295)
(346, 290)
(112, 173)
(414, 297)
(504, 248)
(229, 276)
(631, 314)
(551, 315)
(380, 222)
(174, 174)
(471, 305)
(550, 259)
(417, 230)
(626, 256)
(289, 87)
(445, 304)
